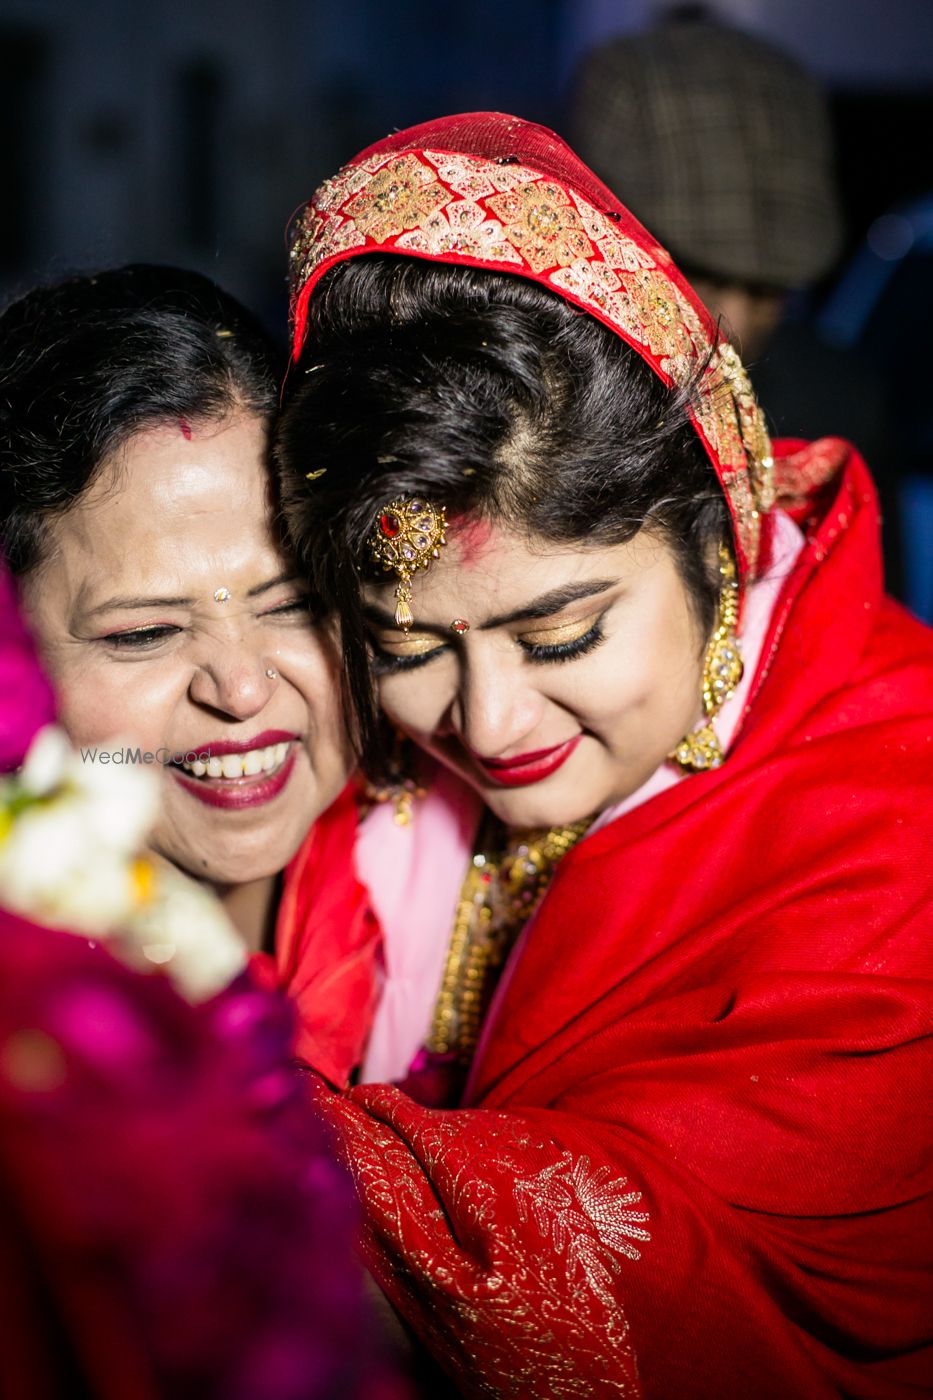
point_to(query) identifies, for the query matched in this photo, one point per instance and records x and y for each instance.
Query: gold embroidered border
(437, 204)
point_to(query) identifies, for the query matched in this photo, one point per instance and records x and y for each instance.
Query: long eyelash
(565, 651)
(385, 664)
(141, 638)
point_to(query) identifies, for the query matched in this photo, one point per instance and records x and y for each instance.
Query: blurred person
(721, 144)
(137, 514)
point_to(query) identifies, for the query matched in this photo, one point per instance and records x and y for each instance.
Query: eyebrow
(544, 606)
(131, 602)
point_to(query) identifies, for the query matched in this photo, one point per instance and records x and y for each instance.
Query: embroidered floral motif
(477, 178)
(464, 229)
(400, 196)
(439, 204)
(566, 1201)
(542, 224)
(512, 1273)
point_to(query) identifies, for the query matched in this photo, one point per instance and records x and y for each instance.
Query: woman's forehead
(496, 570)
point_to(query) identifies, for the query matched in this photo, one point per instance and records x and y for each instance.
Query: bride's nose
(495, 709)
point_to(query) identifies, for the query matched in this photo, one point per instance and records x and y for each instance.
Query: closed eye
(418, 651)
(140, 638)
(563, 643)
(295, 607)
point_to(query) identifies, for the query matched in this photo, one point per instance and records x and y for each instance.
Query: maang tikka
(407, 536)
(722, 671)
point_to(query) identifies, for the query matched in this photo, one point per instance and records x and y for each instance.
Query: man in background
(721, 144)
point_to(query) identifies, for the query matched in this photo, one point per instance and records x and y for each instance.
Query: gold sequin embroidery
(511, 216)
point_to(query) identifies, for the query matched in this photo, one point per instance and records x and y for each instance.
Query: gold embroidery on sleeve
(503, 1250)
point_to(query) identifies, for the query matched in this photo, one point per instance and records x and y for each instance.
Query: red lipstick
(526, 768)
(216, 748)
(237, 793)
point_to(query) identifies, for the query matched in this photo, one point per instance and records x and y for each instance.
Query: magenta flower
(26, 701)
(173, 1225)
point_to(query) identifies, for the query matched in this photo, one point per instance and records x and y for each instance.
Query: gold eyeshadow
(560, 636)
(398, 644)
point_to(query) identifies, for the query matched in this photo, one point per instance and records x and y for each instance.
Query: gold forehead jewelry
(459, 625)
(407, 536)
(221, 595)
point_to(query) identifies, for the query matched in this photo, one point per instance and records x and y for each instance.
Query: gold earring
(402, 787)
(722, 671)
(407, 536)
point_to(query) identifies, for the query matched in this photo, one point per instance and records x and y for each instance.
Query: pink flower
(26, 701)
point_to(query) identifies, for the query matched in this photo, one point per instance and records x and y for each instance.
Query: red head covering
(490, 191)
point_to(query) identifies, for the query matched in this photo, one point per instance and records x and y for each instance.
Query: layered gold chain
(504, 885)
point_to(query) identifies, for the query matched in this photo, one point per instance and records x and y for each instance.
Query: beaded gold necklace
(504, 885)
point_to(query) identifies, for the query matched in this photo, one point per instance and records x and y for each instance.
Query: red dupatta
(694, 1160)
(327, 945)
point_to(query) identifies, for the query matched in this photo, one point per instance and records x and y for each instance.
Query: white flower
(46, 846)
(185, 930)
(47, 762)
(70, 837)
(100, 898)
(122, 803)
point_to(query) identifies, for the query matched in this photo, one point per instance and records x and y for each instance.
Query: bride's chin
(527, 813)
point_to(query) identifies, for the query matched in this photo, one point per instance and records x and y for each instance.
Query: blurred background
(188, 130)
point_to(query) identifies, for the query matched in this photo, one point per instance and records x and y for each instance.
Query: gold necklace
(504, 884)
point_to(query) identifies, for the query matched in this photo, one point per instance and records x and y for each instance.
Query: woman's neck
(251, 908)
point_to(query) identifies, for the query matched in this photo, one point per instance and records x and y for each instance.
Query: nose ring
(271, 672)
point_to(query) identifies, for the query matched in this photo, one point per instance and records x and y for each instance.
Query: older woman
(136, 512)
(688, 1159)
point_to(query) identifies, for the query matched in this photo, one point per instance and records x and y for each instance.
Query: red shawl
(327, 945)
(695, 1161)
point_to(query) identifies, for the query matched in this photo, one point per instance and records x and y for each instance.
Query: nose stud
(271, 672)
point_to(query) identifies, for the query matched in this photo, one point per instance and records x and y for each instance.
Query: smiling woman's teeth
(240, 765)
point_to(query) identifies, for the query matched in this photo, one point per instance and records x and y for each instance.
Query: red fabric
(327, 946)
(487, 190)
(695, 1161)
(498, 136)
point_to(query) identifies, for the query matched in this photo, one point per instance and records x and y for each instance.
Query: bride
(657, 971)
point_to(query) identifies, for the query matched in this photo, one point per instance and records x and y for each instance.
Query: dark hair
(492, 396)
(88, 362)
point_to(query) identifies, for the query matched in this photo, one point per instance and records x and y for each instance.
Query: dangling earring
(722, 671)
(402, 789)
